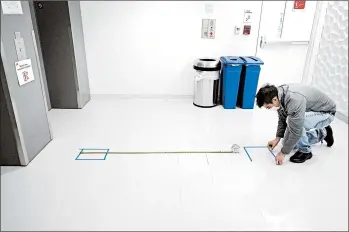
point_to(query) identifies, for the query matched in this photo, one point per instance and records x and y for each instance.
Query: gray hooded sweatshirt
(296, 99)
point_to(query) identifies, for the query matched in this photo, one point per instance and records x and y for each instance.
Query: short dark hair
(266, 94)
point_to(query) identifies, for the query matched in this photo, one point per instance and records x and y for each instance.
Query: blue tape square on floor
(249, 147)
(101, 156)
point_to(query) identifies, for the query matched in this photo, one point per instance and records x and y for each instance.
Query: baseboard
(342, 117)
(145, 96)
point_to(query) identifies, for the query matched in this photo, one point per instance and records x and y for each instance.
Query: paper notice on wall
(11, 7)
(209, 8)
(24, 71)
(247, 16)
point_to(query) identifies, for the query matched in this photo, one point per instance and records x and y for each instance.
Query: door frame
(314, 41)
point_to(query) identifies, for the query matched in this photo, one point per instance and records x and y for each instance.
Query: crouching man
(305, 114)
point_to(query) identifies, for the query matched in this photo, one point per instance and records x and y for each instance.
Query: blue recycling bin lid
(231, 60)
(252, 60)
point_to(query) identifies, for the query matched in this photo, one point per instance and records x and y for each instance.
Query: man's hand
(279, 158)
(273, 143)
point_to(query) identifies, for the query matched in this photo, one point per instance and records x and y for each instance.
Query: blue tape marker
(247, 154)
(256, 146)
(106, 154)
(272, 152)
(81, 150)
(99, 149)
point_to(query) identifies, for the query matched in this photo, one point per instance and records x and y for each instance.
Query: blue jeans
(313, 131)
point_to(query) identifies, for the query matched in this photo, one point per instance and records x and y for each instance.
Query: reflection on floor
(173, 191)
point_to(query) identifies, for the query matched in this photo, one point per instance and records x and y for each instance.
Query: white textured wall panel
(331, 67)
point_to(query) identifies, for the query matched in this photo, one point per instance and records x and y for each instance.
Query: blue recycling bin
(231, 67)
(249, 81)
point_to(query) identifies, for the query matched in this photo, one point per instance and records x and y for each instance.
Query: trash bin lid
(231, 60)
(207, 64)
(252, 60)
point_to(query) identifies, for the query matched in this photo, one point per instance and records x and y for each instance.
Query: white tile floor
(173, 192)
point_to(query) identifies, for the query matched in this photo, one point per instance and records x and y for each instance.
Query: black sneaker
(329, 137)
(300, 157)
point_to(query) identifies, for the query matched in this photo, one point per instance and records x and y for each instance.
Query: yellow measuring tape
(156, 152)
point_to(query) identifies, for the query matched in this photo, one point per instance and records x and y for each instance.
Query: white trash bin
(206, 82)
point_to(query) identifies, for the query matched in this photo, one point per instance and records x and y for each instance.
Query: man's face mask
(272, 106)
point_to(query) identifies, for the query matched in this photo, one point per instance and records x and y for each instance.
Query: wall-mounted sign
(247, 16)
(24, 71)
(209, 8)
(298, 5)
(11, 7)
(208, 29)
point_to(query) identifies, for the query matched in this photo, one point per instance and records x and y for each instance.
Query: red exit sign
(298, 5)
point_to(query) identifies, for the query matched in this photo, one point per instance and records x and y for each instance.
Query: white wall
(148, 48)
(330, 73)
